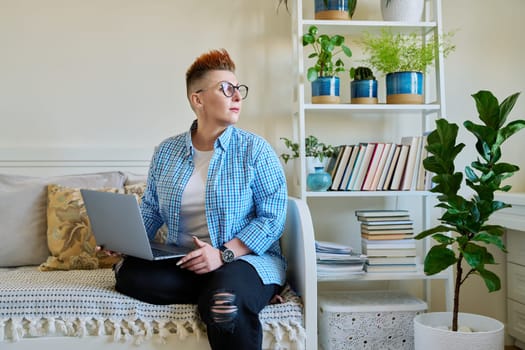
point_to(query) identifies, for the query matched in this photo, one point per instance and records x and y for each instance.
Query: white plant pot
(312, 163)
(431, 332)
(402, 10)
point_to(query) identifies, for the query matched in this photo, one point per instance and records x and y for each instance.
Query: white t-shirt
(193, 214)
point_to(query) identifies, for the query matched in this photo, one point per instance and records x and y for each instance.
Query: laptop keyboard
(159, 253)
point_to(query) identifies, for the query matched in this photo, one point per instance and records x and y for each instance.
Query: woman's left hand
(205, 258)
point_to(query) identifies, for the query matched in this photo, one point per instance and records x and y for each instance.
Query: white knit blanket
(84, 302)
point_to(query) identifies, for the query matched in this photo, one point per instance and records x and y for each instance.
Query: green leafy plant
(361, 73)
(313, 148)
(326, 49)
(463, 234)
(389, 52)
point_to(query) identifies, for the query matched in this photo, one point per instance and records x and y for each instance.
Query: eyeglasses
(228, 89)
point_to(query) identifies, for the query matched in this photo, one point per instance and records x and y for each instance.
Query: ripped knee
(223, 311)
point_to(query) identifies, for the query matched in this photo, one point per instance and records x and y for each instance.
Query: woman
(222, 191)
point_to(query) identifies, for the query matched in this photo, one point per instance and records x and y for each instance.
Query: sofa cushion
(69, 237)
(133, 178)
(23, 212)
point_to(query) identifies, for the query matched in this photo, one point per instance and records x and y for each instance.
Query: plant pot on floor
(326, 90)
(431, 332)
(402, 10)
(334, 9)
(404, 88)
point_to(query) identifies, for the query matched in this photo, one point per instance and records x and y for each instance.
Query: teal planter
(404, 88)
(326, 90)
(363, 91)
(336, 9)
(319, 180)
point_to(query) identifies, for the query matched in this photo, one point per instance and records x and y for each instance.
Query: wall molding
(56, 160)
(513, 217)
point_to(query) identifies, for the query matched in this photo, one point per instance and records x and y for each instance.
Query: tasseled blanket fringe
(137, 331)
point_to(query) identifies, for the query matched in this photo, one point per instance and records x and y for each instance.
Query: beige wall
(110, 73)
(489, 55)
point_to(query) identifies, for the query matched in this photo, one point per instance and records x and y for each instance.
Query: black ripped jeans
(229, 299)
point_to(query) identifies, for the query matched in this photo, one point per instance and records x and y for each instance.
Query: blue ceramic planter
(336, 9)
(404, 87)
(326, 90)
(363, 91)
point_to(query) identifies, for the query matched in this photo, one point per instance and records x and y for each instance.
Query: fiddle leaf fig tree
(463, 235)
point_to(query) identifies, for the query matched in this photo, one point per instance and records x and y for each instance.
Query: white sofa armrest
(298, 246)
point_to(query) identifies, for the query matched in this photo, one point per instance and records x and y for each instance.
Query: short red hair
(212, 60)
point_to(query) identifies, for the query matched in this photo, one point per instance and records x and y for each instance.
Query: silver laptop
(117, 225)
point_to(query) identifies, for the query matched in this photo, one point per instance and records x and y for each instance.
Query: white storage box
(372, 320)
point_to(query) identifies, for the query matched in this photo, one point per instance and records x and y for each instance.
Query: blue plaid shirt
(246, 195)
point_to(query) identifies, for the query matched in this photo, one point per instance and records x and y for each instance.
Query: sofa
(57, 292)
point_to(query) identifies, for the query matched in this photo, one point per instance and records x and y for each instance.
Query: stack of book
(387, 240)
(336, 260)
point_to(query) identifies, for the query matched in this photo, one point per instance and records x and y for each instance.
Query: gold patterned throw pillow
(69, 236)
(138, 190)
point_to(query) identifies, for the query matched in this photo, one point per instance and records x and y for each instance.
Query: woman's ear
(195, 100)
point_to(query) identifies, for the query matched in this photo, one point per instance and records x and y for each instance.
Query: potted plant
(334, 9)
(317, 154)
(402, 10)
(323, 75)
(404, 59)
(363, 87)
(466, 219)
(313, 149)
